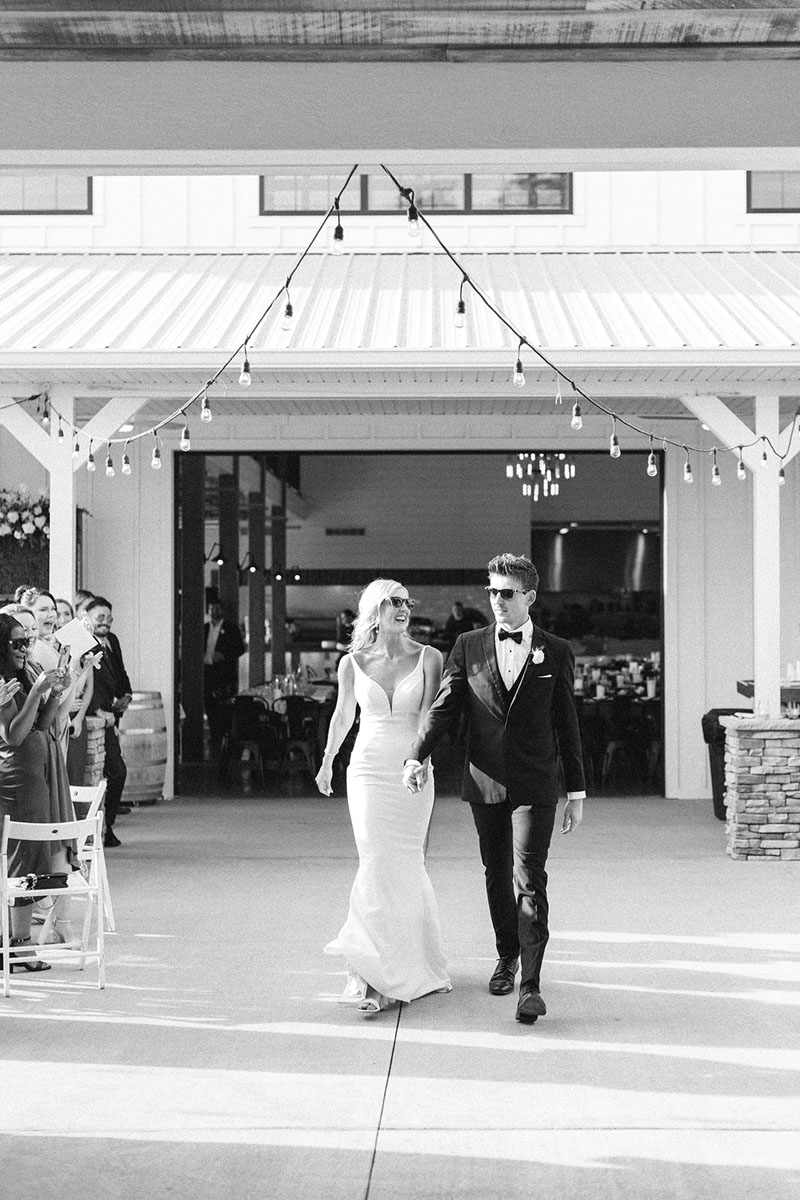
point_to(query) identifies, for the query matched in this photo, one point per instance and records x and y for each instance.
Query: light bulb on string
(613, 444)
(76, 447)
(288, 314)
(519, 378)
(781, 476)
(413, 215)
(536, 493)
(155, 461)
(764, 459)
(509, 468)
(244, 375)
(337, 246)
(186, 441)
(90, 463)
(716, 478)
(687, 469)
(577, 419)
(461, 307)
(741, 473)
(206, 415)
(126, 462)
(110, 472)
(60, 437)
(652, 465)
(558, 390)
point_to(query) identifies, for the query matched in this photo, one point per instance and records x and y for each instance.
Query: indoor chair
(89, 887)
(260, 732)
(302, 729)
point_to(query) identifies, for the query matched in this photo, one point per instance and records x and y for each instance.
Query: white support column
(767, 565)
(63, 549)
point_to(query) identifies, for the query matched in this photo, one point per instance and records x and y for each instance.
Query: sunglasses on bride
(402, 601)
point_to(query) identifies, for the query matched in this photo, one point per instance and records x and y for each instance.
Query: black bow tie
(515, 637)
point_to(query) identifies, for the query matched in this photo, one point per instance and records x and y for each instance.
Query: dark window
(46, 195)
(541, 193)
(773, 191)
(449, 193)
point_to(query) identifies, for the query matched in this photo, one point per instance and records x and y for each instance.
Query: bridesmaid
(30, 704)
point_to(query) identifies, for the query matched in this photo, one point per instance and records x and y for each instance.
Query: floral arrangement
(23, 517)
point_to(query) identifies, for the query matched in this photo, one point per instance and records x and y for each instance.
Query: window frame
(749, 194)
(365, 211)
(56, 212)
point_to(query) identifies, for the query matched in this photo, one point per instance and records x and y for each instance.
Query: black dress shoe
(111, 839)
(502, 981)
(530, 1005)
(123, 810)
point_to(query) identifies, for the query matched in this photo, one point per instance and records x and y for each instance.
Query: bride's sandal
(372, 1003)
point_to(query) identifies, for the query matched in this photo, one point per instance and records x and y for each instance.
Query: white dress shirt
(511, 658)
(211, 643)
(512, 655)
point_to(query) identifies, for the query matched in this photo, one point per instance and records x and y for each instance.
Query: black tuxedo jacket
(514, 741)
(110, 680)
(229, 642)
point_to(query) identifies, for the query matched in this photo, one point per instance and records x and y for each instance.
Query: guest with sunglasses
(391, 940)
(30, 698)
(514, 683)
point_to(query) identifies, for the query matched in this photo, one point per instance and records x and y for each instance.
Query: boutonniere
(538, 655)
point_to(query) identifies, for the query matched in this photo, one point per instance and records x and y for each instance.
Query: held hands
(122, 702)
(415, 776)
(573, 815)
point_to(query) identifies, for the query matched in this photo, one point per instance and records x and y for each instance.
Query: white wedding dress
(391, 939)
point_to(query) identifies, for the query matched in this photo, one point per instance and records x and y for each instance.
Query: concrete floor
(217, 1062)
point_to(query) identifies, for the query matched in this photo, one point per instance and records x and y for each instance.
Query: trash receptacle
(714, 737)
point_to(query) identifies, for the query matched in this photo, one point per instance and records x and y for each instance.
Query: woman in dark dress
(26, 780)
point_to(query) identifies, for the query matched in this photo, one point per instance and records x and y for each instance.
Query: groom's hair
(517, 565)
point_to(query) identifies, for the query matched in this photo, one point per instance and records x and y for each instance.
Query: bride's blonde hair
(365, 626)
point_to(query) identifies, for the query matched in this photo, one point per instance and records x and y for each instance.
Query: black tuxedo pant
(514, 842)
(116, 773)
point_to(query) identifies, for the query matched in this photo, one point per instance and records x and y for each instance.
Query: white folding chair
(88, 801)
(91, 888)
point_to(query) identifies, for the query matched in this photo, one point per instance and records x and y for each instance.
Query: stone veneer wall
(762, 779)
(95, 751)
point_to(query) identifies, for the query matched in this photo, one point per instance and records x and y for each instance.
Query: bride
(391, 939)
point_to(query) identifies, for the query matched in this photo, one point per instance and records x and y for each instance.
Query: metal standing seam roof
(107, 304)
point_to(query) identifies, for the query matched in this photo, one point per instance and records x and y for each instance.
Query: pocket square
(544, 676)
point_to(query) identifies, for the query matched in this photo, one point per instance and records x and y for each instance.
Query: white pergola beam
(28, 432)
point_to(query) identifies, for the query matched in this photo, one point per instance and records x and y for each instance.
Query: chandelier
(541, 472)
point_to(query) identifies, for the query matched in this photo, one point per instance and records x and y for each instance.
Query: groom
(514, 683)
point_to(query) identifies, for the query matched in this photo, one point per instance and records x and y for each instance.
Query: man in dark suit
(111, 695)
(515, 684)
(224, 646)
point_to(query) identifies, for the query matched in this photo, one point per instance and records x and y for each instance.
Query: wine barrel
(143, 742)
